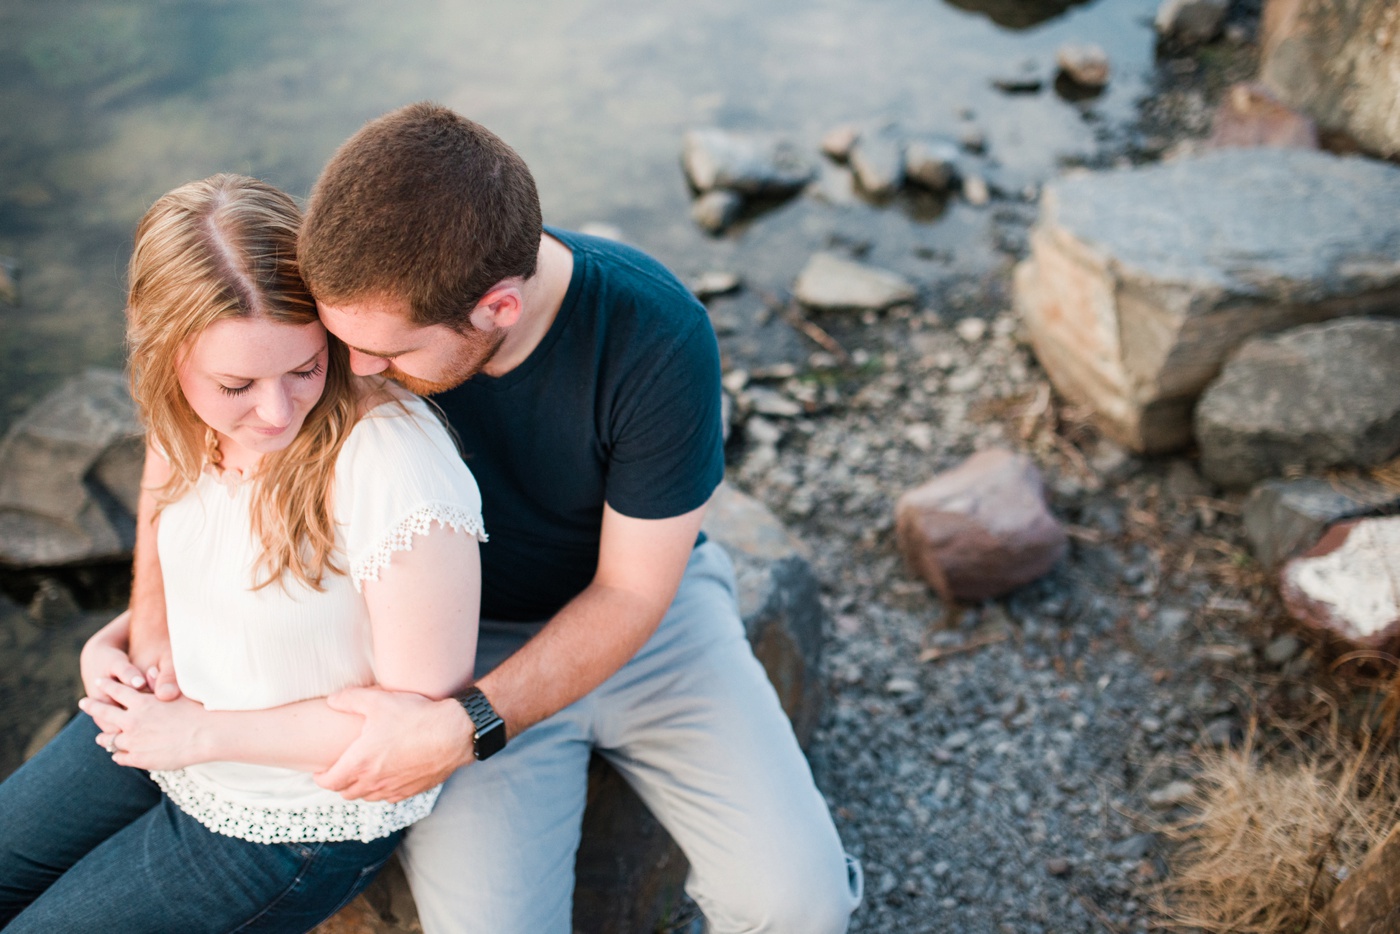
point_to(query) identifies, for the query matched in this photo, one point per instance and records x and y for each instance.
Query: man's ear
(498, 308)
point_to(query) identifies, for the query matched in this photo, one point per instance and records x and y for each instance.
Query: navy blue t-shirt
(619, 403)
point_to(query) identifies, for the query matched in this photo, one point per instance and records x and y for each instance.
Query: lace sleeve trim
(345, 820)
(400, 537)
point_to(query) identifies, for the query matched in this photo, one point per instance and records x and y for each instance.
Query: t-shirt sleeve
(668, 451)
(399, 476)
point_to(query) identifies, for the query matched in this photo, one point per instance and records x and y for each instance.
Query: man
(583, 381)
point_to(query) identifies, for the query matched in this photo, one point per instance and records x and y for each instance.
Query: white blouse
(236, 648)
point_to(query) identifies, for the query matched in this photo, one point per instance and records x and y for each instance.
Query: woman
(316, 531)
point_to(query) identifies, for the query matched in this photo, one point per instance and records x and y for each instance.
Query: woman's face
(253, 380)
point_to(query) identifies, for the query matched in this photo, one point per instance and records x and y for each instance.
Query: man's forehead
(375, 327)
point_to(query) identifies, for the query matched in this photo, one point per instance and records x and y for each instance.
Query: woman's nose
(275, 406)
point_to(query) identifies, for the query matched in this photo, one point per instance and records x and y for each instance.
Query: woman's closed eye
(312, 373)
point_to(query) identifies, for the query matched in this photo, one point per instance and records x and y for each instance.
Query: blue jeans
(87, 845)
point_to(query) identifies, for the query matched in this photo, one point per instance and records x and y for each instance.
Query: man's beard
(468, 362)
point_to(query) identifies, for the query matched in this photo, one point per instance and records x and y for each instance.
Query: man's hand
(408, 744)
(160, 675)
(146, 733)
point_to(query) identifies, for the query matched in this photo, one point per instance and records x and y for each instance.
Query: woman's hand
(146, 733)
(104, 660)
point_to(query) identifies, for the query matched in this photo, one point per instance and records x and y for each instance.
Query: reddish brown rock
(1251, 115)
(981, 529)
(1348, 585)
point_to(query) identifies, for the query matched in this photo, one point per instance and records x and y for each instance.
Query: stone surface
(1141, 281)
(1368, 900)
(837, 142)
(9, 280)
(981, 529)
(1251, 115)
(1339, 62)
(877, 159)
(1348, 584)
(1316, 397)
(713, 283)
(750, 164)
(69, 469)
(629, 873)
(932, 163)
(715, 210)
(1185, 24)
(1283, 518)
(831, 283)
(1086, 65)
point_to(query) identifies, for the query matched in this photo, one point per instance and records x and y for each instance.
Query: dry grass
(1269, 840)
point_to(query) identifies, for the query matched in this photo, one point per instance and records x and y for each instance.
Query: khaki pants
(694, 726)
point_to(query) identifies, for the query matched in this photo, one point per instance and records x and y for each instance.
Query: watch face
(490, 740)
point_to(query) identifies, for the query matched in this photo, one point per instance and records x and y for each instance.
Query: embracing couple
(326, 655)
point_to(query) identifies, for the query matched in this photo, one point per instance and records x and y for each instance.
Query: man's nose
(363, 364)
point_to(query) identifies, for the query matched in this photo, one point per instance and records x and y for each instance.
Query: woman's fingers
(109, 717)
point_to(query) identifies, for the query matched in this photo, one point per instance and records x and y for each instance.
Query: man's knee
(807, 895)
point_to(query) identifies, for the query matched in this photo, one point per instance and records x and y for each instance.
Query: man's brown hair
(421, 204)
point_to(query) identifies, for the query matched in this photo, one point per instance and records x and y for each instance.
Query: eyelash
(312, 373)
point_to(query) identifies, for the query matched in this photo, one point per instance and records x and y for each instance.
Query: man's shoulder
(620, 270)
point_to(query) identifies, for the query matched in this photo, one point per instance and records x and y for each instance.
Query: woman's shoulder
(394, 419)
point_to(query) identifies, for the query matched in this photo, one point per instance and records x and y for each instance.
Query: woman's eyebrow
(300, 366)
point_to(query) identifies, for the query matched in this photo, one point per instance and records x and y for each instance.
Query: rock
(710, 284)
(877, 159)
(1285, 517)
(53, 604)
(750, 164)
(831, 283)
(1170, 795)
(1335, 60)
(1086, 65)
(629, 873)
(47, 731)
(770, 402)
(9, 280)
(981, 529)
(1282, 650)
(975, 190)
(1346, 584)
(68, 474)
(1368, 900)
(837, 143)
(1312, 398)
(973, 139)
(1185, 24)
(932, 163)
(715, 210)
(1251, 115)
(971, 330)
(1142, 280)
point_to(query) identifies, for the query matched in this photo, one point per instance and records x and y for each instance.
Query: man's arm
(148, 639)
(409, 744)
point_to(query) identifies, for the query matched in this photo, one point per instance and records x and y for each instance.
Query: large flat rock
(1339, 62)
(1142, 281)
(1313, 398)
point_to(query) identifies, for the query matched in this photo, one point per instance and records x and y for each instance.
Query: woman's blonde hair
(226, 247)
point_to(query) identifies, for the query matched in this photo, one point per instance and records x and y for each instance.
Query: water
(107, 104)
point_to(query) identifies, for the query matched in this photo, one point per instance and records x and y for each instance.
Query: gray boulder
(1185, 24)
(1285, 517)
(877, 159)
(932, 162)
(70, 469)
(747, 163)
(1313, 398)
(715, 210)
(1335, 60)
(831, 283)
(629, 872)
(1142, 281)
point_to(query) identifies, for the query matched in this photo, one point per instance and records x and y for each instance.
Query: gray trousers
(694, 726)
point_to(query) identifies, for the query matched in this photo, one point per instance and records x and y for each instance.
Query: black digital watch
(490, 735)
